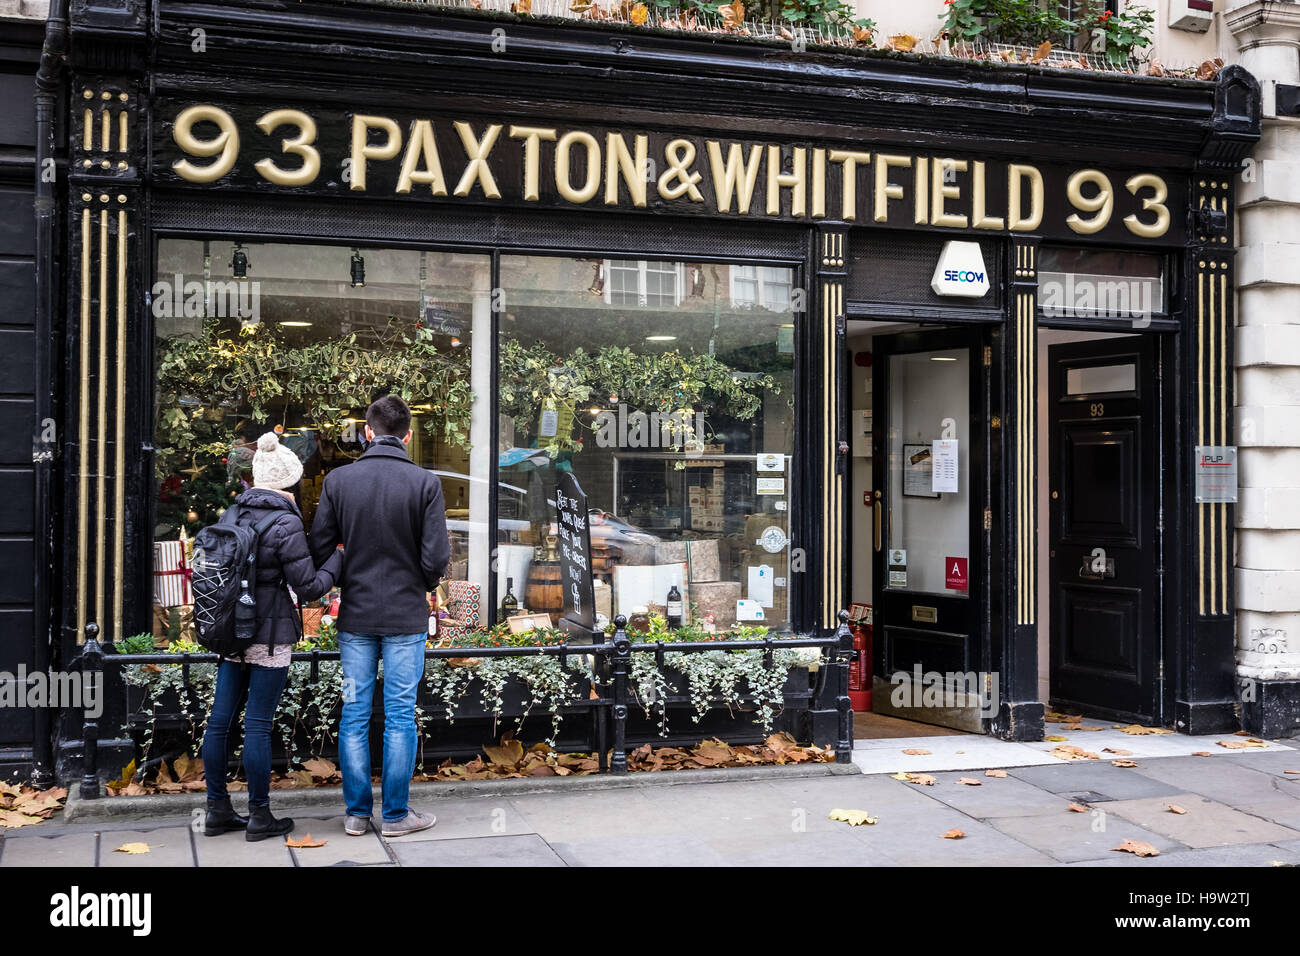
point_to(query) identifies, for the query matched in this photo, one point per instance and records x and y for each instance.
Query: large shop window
(666, 389)
(299, 339)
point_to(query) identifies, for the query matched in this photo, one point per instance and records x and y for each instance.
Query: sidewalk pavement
(1242, 809)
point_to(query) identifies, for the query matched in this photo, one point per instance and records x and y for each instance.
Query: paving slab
(466, 818)
(1206, 823)
(1268, 761)
(919, 841)
(71, 849)
(865, 792)
(834, 848)
(1099, 776)
(232, 849)
(1246, 854)
(1231, 782)
(1070, 837)
(994, 797)
(339, 849)
(638, 850)
(526, 849)
(740, 810)
(168, 846)
(579, 816)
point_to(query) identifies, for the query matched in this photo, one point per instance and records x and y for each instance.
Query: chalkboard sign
(575, 552)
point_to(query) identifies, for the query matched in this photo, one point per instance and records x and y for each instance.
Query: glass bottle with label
(509, 603)
(674, 611)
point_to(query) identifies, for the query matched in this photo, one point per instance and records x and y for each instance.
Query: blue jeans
(260, 687)
(403, 668)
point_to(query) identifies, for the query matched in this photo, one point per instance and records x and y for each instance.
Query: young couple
(387, 516)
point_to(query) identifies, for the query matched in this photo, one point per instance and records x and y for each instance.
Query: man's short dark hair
(389, 415)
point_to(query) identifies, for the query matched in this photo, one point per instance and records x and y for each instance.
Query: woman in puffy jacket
(255, 682)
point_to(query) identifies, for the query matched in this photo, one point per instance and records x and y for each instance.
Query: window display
(660, 386)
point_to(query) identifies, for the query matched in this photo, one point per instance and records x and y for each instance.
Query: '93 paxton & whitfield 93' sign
(520, 162)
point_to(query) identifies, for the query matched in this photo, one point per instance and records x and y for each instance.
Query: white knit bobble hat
(275, 466)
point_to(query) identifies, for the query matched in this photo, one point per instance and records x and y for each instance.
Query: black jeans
(260, 689)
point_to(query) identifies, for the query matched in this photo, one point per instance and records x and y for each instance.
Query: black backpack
(225, 575)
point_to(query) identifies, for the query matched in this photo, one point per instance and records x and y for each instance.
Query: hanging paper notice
(760, 584)
(943, 478)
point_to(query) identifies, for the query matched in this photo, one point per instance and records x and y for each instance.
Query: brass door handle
(875, 520)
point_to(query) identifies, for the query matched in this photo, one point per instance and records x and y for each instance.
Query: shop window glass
(1100, 283)
(301, 344)
(673, 409)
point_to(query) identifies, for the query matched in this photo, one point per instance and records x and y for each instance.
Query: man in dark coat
(389, 515)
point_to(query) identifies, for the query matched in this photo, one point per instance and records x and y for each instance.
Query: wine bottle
(509, 603)
(674, 612)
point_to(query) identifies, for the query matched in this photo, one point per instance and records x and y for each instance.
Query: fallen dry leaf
(1137, 848)
(1241, 744)
(995, 773)
(1117, 751)
(733, 14)
(1154, 67)
(924, 779)
(1174, 808)
(12, 819)
(970, 782)
(1209, 69)
(133, 848)
(854, 818)
(1122, 763)
(1055, 739)
(916, 752)
(1202, 753)
(1043, 52)
(902, 42)
(1137, 730)
(305, 843)
(953, 834)
(1070, 752)
(1076, 808)
(1291, 771)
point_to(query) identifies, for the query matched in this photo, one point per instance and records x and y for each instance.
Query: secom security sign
(961, 271)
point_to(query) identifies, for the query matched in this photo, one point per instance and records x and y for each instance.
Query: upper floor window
(644, 282)
(765, 286)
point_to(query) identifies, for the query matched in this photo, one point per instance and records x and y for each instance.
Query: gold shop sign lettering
(497, 161)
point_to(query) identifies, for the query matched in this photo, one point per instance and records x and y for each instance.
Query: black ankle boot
(222, 818)
(262, 825)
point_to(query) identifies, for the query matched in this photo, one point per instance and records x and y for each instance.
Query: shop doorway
(926, 504)
(1104, 473)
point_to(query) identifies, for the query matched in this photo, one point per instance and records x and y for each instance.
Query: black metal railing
(612, 709)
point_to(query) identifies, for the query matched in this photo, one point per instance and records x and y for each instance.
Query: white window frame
(678, 272)
(757, 278)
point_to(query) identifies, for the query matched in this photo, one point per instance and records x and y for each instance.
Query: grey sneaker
(355, 826)
(413, 822)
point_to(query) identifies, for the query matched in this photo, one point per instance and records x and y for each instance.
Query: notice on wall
(575, 551)
(943, 474)
(898, 568)
(955, 574)
(771, 462)
(760, 584)
(771, 486)
(918, 471)
(1216, 474)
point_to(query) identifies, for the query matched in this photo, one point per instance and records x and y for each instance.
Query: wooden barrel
(545, 591)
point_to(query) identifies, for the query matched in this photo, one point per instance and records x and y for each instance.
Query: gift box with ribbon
(172, 573)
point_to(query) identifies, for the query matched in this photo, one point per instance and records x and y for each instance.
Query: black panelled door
(1104, 541)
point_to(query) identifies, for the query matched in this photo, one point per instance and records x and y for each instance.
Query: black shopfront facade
(502, 181)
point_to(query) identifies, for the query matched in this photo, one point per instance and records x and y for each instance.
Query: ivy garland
(307, 712)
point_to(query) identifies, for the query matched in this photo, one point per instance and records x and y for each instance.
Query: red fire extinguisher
(860, 669)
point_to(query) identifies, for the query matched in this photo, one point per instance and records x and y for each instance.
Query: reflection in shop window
(671, 403)
(645, 283)
(302, 348)
(761, 285)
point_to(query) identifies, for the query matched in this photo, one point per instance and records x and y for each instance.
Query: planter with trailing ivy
(465, 702)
